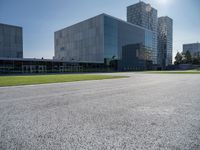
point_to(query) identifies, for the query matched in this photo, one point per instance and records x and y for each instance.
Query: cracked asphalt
(142, 112)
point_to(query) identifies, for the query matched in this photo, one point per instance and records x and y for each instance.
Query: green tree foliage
(196, 61)
(188, 57)
(178, 58)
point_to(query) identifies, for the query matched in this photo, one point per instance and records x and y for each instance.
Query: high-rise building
(144, 15)
(165, 41)
(11, 42)
(100, 39)
(193, 48)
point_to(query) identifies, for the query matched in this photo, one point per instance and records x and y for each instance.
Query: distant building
(11, 42)
(144, 15)
(165, 41)
(100, 39)
(193, 48)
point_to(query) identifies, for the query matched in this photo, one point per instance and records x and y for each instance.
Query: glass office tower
(144, 15)
(165, 41)
(99, 39)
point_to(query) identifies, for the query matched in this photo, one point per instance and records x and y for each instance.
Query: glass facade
(118, 33)
(15, 66)
(135, 57)
(144, 15)
(110, 38)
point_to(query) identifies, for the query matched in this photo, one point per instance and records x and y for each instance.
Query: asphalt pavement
(142, 112)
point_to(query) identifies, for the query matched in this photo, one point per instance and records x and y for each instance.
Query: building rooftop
(141, 3)
(3, 24)
(103, 14)
(192, 43)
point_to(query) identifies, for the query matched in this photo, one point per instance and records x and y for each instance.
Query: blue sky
(41, 18)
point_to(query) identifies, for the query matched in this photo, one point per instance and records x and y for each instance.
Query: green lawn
(43, 79)
(174, 72)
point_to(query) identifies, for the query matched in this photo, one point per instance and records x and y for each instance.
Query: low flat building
(32, 65)
(11, 41)
(193, 48)
(100, 40)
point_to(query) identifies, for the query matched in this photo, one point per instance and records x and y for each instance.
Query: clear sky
(41, 18)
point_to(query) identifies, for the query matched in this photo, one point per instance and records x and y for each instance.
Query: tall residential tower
(144, 15)
(165, 41)
(11, 43)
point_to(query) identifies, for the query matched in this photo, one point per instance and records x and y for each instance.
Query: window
(62, 49)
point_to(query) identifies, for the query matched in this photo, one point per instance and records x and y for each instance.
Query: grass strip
(44, 79)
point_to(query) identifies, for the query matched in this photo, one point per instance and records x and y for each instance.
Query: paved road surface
(145, 112)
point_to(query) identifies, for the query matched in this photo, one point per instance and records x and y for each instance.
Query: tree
(196, 60)
(178, 58)
(188, 57)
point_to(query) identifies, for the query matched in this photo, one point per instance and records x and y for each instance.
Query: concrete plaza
(144, 111)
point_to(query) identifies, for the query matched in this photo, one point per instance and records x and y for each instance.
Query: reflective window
(110, 38)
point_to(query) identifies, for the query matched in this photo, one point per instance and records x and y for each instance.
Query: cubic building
(165, 41)
(193, 48)
(11, 42)
(144, 15)
(101, 39)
